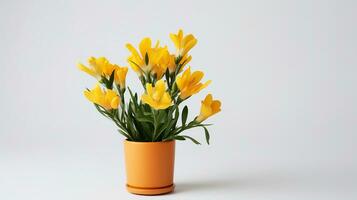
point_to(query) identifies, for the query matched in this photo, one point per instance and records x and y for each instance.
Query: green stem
(120, 125)
(180, 129)
(155, 124)
(122, 96)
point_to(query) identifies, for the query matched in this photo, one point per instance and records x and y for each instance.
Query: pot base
(150, 191)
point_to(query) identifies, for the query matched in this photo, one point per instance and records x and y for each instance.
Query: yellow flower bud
(120, 76)
(209, 107)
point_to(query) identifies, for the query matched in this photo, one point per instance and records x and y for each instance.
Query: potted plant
(152, 122)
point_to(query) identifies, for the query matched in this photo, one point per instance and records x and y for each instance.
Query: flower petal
(144, 46)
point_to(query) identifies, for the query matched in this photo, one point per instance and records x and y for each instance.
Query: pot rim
(137, 142)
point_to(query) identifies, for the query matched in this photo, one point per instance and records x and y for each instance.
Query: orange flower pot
(149, 167)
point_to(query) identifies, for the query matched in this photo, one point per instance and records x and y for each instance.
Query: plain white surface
(284, 70)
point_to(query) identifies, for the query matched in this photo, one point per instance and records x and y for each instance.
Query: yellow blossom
(183, 43)
(120, 75)
(108, 99)
(189, 84)
(147, 53)
(183, 62)
(171, 65)
(166, 61)
(209, 107)
(159, 70)
(98, 67)
(157, 97)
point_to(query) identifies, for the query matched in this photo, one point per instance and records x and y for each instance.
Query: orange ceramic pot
(149, 167)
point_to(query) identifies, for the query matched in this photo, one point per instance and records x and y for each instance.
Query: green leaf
(206, 135)
(165, 119)
(203, 124)
(102, 111)
(133, 98)
(130, 124)
(168, 130)
(145, 119)
(184, 115)
(179, 137)
(167, 76)
(162, 116)
(178, 59)
(193, 140)
(124, 134)
(154, 78)
(177, 114)
(162, 129)
(111, 80)
(146, 58)
(105, 81)
(136, 97)
(173, 121)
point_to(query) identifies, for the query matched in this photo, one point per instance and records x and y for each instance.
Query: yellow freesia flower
(171, 65)
(209, 107)
(166, 61)
(160, 65)
(189, 84)
(183, 43)
(159, 70)
(138, 60)
(120, 76)
(97, 67)
(108, 99)
(183, 62)
(157, 97)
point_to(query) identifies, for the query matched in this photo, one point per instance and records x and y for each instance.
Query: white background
(284, 70)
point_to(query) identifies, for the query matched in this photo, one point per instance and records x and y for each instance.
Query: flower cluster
(167, 84)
